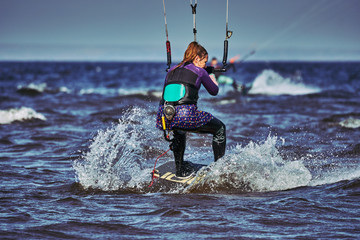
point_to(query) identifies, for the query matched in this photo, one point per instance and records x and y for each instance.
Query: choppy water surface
(78, 142)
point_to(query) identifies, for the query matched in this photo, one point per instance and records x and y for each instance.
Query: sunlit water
(78, 143)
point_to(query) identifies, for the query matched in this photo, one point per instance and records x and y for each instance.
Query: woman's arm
(209, 82)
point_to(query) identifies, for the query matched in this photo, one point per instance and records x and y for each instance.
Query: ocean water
(78, 143)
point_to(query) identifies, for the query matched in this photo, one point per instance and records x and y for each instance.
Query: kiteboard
(166, 173)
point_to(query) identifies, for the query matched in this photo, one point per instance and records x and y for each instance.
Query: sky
(134, 30)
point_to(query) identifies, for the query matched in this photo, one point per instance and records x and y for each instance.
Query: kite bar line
(193, 10)
(168, 47)
(228, 34)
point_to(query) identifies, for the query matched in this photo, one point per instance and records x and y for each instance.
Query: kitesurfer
(220, 77)
(179, 105)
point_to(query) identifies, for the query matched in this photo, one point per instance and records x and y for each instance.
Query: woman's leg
(218, 130)
(178, 147)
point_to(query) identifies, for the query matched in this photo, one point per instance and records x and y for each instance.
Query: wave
(272, 83)
(120, 92)
(350, 123)
(19, 114)
(99, 90)
(346, 120)
(34, 89)
(39, 88)
(333, 176)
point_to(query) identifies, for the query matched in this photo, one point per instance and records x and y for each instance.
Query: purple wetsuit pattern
(187, 117)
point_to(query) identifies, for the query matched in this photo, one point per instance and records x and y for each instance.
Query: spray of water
(271, 83)
(254, 168)
(116, 161)
(116, 155)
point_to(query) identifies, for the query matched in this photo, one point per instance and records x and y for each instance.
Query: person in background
(220, 77)
(178, 106)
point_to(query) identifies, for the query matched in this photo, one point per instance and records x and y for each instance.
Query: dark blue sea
(78, 143)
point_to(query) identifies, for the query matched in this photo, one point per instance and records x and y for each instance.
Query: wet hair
(193, 50)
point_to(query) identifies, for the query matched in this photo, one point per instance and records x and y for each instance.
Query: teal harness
(174, 92)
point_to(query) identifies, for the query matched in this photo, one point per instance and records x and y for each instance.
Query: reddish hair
(193, 50)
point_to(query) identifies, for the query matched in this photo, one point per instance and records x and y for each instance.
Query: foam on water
(119, 92)
(99, 90)
(19, 114)
(64, 89)
(338, 175)
(126, 92)
(272, 83)
(350, 123)
(39, 87)
(254, 168)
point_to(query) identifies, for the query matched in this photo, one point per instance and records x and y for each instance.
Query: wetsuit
(181, 89)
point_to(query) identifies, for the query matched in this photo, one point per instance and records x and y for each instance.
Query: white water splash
(114, 160)
(272, 83)
(64, 89)
(19, 114)
(337, 175)
(350, 123)
(254, 168)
